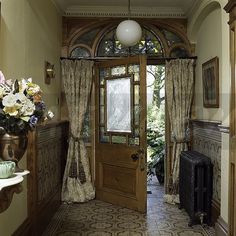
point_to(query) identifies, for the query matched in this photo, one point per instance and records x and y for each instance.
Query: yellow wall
(209, 31)
(30, 35)
(208, 46)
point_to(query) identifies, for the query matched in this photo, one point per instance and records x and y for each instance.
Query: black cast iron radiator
(195, 186)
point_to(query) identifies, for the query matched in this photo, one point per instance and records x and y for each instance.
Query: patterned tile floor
(98, 218)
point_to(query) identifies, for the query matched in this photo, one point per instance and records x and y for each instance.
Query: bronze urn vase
(13, 147)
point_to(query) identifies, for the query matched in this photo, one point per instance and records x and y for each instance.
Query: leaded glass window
(179, 52)
(88, 37)
(112, 109)
(171, 37)
(111, 47)
(80, 52)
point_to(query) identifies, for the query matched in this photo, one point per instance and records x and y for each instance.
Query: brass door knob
(135, 156)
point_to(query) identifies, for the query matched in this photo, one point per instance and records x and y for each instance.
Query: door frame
(169, 145)
(231, 9)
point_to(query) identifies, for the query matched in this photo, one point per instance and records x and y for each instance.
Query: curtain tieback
(76, 168)
(76, 139)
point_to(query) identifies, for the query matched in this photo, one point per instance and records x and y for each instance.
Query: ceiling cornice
(141, 12)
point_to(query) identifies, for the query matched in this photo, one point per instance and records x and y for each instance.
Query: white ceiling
(139, 8)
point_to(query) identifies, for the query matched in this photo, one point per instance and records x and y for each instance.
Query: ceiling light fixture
(128, 32)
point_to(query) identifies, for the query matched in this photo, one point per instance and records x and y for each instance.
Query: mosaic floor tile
(97, 218)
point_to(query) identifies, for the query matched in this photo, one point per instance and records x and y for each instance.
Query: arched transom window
(156, 42)
(149, 44)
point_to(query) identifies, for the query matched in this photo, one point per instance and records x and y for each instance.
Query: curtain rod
(113, 58)
(74, 59)
(171, 58)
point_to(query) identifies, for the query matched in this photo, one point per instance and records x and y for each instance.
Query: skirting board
(24, 229)
(221, 227)
(215, 206)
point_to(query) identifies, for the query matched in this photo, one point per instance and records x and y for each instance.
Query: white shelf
(15, 179)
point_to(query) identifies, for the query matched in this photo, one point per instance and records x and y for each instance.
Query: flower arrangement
(21, 106)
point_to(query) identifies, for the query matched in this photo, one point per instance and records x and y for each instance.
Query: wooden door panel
(122, 157)
(120, 179)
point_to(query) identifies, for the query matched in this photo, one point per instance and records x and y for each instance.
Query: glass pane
(102, 97)
(118, 105)
(171, 37)
(133, 69)
(131, 141)
(136, 132)
(119, 139)
(136, 94)
(118, 70)
(104, 72)
(88, 37)
(102, 115)
(136, 114)
(104, 138)
(136, 77)
(134, 141)
(179, 52)
(80, 52)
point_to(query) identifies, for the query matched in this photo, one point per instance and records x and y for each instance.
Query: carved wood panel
(46, 158)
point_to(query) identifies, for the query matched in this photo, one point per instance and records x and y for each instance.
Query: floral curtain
(77, 80)
(179, 93)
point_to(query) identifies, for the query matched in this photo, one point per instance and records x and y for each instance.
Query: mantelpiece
(10, 186)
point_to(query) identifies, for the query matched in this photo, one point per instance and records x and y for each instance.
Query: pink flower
(2, 78)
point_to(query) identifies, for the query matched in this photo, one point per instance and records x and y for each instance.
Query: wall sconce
(49, 72)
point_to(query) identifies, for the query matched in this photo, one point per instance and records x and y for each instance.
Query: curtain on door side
(179, 93)
(77, 80)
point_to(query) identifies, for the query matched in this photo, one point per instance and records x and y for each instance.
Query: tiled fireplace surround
(206, 139)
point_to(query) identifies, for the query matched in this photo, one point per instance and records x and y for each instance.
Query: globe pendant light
(128, 31)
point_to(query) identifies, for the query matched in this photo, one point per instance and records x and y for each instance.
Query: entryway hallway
(104, 219)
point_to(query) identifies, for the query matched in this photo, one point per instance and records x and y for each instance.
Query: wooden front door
(120, 140)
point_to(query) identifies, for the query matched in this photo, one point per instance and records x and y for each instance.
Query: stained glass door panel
(118, 105)
(119, 100)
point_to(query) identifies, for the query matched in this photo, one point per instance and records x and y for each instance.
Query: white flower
(9, 100)
(2, 78)
(12, 111)
(27, 108)
(9, 82)
(21, 98)
(2, 92)
(23, 84)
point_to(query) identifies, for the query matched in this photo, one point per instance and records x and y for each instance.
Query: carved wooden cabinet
(46, 161)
